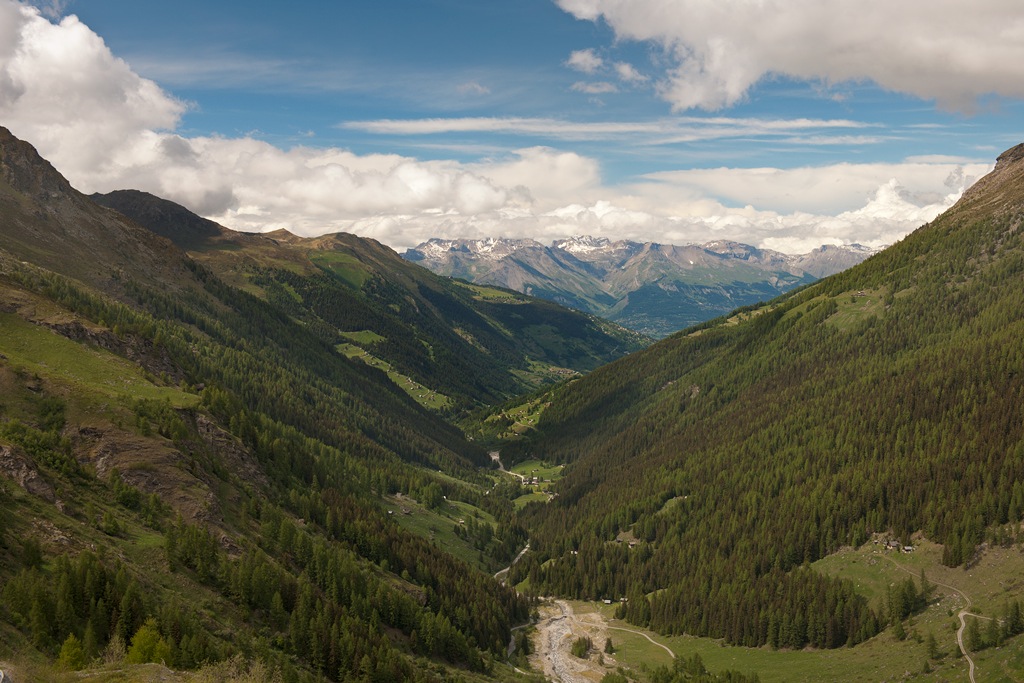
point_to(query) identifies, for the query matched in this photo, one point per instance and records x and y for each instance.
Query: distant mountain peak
(650, 287)
(493, 248)
(578, 244)
(162, 216)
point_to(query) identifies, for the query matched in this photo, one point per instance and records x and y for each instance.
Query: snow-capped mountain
(653, 288)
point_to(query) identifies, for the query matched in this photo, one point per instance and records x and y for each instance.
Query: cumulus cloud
(106, 128)
(628, 73)
(947, 50)
(62, 89)
(586, 61)
(821, 189)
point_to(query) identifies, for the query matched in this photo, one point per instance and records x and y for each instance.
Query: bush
(581, 647)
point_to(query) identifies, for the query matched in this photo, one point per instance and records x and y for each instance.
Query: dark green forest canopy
(884, 399)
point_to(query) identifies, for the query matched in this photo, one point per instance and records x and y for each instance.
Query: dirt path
(963, 614)
(496, 457)
(629, 630)
(500, 575)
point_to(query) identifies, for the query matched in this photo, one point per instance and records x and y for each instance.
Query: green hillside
(192, 473)
(475, 345)
(884, 400)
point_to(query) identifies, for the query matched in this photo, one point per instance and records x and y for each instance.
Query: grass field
(427, 398)
(537, 468)
(38, 350)
(548, 474)
(438, 526)
(988, 584)
(857, 307)
(484, 293)
(345, 266)
(363, 337)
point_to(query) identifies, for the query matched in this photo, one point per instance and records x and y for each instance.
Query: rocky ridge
(652, 288)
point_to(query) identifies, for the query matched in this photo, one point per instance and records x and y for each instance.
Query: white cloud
(594, 87)
(62, 89)
(951, 51)
(820, 189)
(586, 61)
(106, 128)
(657, 131)
(629, 74)
(473, 88)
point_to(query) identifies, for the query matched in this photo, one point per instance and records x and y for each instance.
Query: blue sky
(784, 125)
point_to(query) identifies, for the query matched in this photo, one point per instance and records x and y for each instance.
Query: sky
(785, 124)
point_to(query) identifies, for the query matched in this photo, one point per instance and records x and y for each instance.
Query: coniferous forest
(226, 450)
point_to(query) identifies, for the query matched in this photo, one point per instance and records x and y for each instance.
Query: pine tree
(72, 656)
(149, 646)
(972, 635)
(39, 624)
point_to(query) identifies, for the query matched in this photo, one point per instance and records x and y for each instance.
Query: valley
(883, 658)
(227, 455)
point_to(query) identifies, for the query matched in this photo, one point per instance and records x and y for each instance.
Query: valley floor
(557, 630)
(980, 590)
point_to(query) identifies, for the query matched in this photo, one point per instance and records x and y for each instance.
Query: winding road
(496, 457)
(963, 614)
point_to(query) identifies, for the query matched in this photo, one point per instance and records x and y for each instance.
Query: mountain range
(653, 288)
(237, 457)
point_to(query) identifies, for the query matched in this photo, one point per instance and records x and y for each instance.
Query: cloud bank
(107, 128)
(950, 51)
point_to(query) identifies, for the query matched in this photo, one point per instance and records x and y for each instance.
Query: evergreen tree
(72, 656)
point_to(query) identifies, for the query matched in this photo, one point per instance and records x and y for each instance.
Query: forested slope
(470, 344)
(886, 399)
(187, 472)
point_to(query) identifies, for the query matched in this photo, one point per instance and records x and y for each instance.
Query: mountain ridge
(471, 345)
(650, 287)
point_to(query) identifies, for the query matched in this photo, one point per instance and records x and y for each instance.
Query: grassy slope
(96, 373)
(995, 578)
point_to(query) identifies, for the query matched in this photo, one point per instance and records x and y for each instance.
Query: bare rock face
(1010, 156)
(23, 168)
(18, 467)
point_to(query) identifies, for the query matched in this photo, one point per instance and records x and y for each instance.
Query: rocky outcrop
(143, 351)
(18, 467)
(24, 170)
